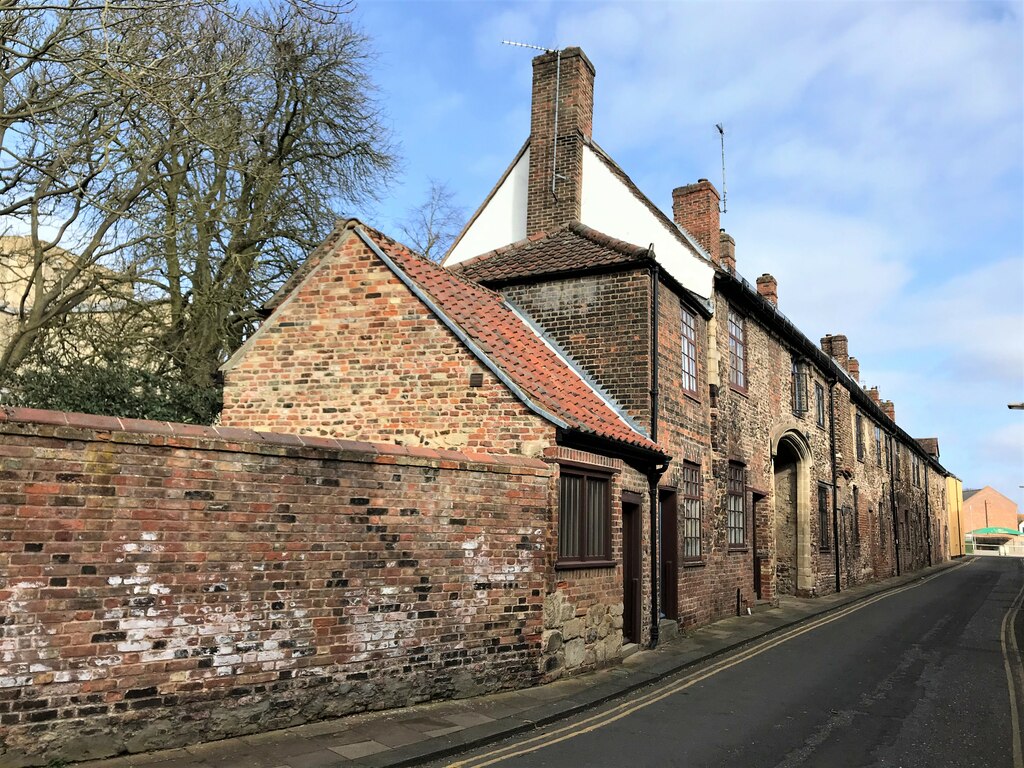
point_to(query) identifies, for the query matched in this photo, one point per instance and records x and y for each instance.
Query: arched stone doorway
(791, 460)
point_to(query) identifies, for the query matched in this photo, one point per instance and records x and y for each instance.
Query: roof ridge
(600, 238)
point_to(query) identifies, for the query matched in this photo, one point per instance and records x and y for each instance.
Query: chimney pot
(695, 209)
(768, 286)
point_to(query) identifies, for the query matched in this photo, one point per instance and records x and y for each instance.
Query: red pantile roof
(572, 248)
(533, 366)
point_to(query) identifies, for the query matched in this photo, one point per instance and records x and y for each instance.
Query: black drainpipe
(892, 496)
(835, 476)
(927, 514)
(654, 476)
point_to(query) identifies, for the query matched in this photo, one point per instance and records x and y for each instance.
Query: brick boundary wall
(162, 584)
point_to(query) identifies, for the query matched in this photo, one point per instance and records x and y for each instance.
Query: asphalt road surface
(917, 676)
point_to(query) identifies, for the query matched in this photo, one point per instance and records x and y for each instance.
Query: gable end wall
(356, 355)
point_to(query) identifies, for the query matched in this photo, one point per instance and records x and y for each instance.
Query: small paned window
(584, 520)
(859, 426)
(799, 388)
(736, 522)
(878, 446)
(737, 351)
(689, 335)
(823, 517)
(819, 404)
(915, 464)
(896, 461)
(691, 512)
(856, 515)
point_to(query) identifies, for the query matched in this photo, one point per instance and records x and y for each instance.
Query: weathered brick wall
(746, 426)
(354, 354)
(583, 608)
(602, 322)
(165, 584)
(684, 424)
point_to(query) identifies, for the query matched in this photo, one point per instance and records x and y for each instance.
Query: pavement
(429, 732)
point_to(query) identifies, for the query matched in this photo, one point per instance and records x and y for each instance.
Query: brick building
(757, 462)
(988, 508)
(584, 431)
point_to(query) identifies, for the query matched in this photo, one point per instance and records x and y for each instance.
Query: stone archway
(791, 469)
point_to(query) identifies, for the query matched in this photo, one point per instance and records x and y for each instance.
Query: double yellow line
(1012, 665)
(608, 716)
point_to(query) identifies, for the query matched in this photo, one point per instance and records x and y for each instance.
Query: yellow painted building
(954, 510)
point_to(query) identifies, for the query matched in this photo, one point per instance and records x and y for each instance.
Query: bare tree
(180, 155)
(431, 227)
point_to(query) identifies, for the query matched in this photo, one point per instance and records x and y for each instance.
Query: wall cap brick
(113, 429)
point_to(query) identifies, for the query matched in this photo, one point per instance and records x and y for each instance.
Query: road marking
(665, 690)
(1011, 655)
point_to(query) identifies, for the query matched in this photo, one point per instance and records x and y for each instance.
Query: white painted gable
(607, 205)
(610, 206)
(502, 219)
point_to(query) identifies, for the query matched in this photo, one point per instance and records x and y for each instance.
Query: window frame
(858, 421)
(688, 322)
(602, 559)
(737, 350)
(691, 497)
(824, 539)
(878, 445)
(799, 389)
(736, 488)
(819, 404)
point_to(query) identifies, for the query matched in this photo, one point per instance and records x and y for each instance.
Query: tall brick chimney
(876, 398)
(768, 287)
(838, 347)
(854, 368)
(727, 250)
(570, 73)
(695, 209)
(889, 409)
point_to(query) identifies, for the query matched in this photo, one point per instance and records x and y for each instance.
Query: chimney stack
(695, 209)
(889, 409)
(837, 346)
(555, 192)
(854, 369)
(727, 250)
(876, 398)
(768, 286)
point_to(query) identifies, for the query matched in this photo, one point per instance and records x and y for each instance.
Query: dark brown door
(669, 555)
(631, 571)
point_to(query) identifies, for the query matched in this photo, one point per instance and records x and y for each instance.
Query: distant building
(988, 508)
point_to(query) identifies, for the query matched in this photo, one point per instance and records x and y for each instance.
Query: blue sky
(875, 157)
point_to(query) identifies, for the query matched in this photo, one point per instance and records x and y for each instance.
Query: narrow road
(917, 676)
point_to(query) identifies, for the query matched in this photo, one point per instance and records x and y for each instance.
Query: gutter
(654, 476)
(459, 333)
(892, 500)
(835, 477)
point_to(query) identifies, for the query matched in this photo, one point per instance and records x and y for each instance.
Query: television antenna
(721, 135)
(558, 83)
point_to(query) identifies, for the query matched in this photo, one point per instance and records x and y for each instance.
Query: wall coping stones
(95, 428)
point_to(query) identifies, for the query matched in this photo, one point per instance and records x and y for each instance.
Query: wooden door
(631, 559)
(669, 529)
